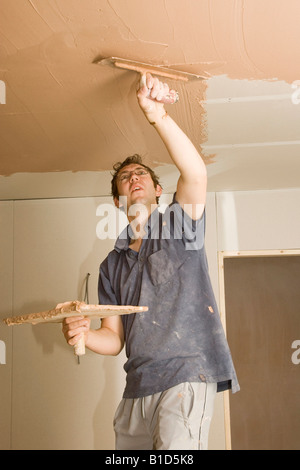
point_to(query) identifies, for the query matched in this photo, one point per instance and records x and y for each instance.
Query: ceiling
(65, 116)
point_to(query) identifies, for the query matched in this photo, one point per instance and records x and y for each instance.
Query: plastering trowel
(74, 309)
(143, 68)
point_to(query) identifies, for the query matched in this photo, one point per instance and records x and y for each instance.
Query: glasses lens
(140, 172)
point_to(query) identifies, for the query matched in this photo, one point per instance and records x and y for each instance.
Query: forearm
(191, 186)
(104, 341)
(182, 151)
(107, 340)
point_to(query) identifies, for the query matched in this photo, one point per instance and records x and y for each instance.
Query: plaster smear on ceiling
(64, 113)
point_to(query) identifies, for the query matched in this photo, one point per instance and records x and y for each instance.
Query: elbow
(118, 349)
(201, 178)
(198, 178)
(202, 172)
(194, 178)
(195, 174)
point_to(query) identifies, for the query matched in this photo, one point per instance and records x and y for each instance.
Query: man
(177, 354)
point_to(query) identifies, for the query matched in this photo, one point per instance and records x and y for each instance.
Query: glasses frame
(125, 176)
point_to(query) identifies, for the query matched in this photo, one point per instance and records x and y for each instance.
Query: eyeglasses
(126, 175)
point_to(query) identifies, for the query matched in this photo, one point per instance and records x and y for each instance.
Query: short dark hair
(137, 159)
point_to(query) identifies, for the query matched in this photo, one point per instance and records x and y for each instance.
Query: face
(136, 184)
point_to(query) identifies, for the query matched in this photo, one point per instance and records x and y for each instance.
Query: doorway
(260, 311)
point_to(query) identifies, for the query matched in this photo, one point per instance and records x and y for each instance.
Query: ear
(117, 202)
(158, 191)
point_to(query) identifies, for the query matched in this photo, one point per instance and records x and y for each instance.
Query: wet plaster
(64, 113)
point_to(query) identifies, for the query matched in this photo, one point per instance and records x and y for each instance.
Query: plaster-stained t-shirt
(180, 338)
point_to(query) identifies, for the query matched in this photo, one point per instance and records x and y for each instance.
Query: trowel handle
(79, 347)
(169, 98)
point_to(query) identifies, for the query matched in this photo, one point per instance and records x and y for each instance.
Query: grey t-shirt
(180, 338)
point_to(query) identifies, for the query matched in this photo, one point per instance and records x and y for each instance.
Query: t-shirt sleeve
(179, 225)
(106, 294)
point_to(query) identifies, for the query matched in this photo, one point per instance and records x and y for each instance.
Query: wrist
(87, 338)
(157, 118)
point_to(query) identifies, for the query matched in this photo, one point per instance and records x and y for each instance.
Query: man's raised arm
(192, 183)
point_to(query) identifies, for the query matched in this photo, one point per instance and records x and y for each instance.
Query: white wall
(258, 220)
(47, 247)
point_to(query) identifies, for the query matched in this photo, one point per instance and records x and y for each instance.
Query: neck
(138, 216)
(136, 244)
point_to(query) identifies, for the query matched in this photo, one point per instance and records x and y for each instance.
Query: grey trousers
(176, 419)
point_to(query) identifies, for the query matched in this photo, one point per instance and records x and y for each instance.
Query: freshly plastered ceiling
(63, 113)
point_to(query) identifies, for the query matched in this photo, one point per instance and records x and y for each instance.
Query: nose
(133, 176)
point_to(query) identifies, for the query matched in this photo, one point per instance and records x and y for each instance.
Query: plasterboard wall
(58, 404)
